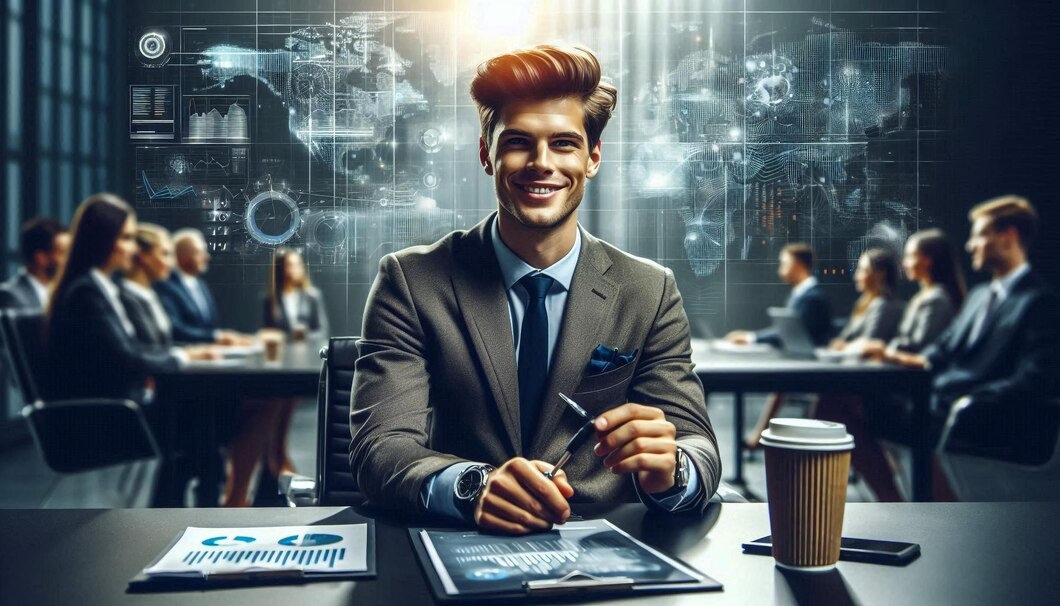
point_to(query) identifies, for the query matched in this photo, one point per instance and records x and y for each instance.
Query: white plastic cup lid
(807, 434)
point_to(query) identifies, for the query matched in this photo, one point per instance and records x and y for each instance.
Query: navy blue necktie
(533, 355)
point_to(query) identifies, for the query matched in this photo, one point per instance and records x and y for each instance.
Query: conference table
(971, 553)
(215, 389)
(721, 369)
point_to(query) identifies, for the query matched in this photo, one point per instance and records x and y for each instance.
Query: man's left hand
(634, 438)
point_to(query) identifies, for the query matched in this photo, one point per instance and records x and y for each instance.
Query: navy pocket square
(605, 359)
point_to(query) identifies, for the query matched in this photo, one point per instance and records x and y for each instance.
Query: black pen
(579, 438)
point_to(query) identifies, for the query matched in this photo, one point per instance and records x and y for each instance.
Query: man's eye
(515, 141)
(563, 143)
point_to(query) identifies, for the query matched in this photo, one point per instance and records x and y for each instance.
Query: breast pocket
(600, 392)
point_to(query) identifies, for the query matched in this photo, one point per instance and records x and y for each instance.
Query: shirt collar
(803, 286)
(139, 290)
(1003, 286)
(513, 268)
(108, 286)
(188, 280)
(38, 287)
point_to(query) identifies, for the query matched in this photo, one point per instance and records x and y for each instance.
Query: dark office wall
(1007, 134)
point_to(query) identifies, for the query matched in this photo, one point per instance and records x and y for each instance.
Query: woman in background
(295, 307)
(153, 262)
(875, 316)
(91, 343)
(929, 260)
(877, 312)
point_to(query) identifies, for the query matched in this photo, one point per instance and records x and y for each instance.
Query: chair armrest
(1027, 432)
(299, 490)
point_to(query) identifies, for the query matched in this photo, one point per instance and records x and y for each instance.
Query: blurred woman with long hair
(91, 343)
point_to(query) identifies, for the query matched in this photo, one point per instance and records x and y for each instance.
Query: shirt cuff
(438, 495)
(673, 502)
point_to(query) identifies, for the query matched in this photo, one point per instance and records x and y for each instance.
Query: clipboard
(144, 583)
(565, 584)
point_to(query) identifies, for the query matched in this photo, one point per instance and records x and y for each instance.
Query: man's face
(988, 246)
(193, 257)
(540, 160)
(788, 269)
(54, 260)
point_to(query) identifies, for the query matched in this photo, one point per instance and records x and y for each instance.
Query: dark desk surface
(768, 371)
(300, 358)
(972, 553)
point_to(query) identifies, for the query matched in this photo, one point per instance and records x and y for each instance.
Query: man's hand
(230, 337)
(874, 349)
(637, 438)
(519, 499)
(203, 352)
(739, 337)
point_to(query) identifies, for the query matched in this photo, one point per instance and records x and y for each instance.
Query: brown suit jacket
(437, 381)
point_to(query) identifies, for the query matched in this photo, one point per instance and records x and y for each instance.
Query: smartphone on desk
(872, 551)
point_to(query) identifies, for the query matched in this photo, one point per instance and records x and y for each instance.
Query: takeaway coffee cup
(272, 341)
(807, 464)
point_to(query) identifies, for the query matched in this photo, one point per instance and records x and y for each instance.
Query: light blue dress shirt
(438, 491)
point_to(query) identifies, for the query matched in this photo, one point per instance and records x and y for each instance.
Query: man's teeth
(539, 190)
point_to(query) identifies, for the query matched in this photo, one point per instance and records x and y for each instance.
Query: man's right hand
(519, 499)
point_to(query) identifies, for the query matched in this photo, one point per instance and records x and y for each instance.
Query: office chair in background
(77, 435)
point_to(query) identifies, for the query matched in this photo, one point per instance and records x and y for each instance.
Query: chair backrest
(79, 435)
(335, 481)
(23, 337)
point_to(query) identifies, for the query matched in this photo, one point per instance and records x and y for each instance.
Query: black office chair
(334, 483)
(979, 473)
(74, 435)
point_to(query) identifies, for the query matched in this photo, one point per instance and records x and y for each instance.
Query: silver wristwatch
(470, 484)
(681, 471)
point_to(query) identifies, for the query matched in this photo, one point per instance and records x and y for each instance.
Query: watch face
(469, 483)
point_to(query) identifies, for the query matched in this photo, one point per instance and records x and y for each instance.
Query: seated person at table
(152, 263)
(44, 244)
(1002, 349)
(468, 342)
(877, 311)
(294, 305)
(297, 308)
(91, 343)
(806, 300)
(930, 260)
(187, 298)
(809, 304)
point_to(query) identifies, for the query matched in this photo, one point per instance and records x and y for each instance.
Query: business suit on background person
(91, 342)
(808, 303)
(293, 304)
(877, 312)
(152, 329)
(441, 385)
(1003, 349)
(187, 298)
(44, 245)
(807, 300)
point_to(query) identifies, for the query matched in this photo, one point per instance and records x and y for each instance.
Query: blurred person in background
(44, 245)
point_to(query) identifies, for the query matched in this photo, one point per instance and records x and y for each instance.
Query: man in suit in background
(808, 303)
(44, 245)
(468, 342)
(806, 300)
(187, 298)
(1003, 348)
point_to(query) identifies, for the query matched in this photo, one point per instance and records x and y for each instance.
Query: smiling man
(467, 343)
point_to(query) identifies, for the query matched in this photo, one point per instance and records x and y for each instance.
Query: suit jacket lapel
(483, 304)
(589, 302)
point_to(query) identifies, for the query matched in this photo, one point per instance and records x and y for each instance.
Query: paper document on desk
(305, 550)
